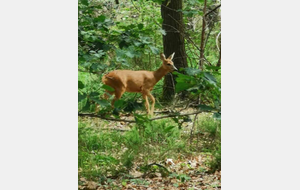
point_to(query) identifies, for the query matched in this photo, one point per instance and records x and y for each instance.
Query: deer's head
(168, 63)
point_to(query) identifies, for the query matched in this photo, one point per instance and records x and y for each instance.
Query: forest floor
(186, 176)
(186, 172)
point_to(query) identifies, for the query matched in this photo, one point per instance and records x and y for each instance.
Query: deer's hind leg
(146, 102)
(152, 104)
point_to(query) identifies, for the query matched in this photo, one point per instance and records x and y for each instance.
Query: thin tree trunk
(201, 62)
(219, 61)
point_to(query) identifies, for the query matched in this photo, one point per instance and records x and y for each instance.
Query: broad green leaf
(86, 64)
(168, 129)
(160, 20)
(81, 96)
(140, 26)
(86, 107)
(137, 43)
(80, 85)
(129, 54)
(162, 31)
(180, 86)
(101, 18)
(192, 71)
(119, 103)
(103, 103)
(154, 50)
(106, 87)
(94, 95)
(85, 2)
(210, 77)
(205, 107)
(217, 116)
(212, 67)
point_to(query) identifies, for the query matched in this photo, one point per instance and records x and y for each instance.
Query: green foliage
(129, 36)
(202, 83)
(211, 128)
(152, 139)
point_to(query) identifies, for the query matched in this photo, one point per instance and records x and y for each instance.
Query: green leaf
(205, 107)
(212, 67)
(94, 95)
(192, 71)
(184, 82)
(154, 50)
(140, 26)
(162, 31)
(180, 86)
(119, 103)
(86, 107)
(103, 103)
(210, 77)
(141, 119)
(137, 43)
(106, 87)
(85, 2)
(168, 129)
(101, 18)
(80, 85)
(217, 116)
(129, 54)
(81, 96)
(160, 20)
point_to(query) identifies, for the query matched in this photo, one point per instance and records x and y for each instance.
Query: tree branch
(212, 10)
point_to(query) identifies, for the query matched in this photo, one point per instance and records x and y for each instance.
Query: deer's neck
(160, 73)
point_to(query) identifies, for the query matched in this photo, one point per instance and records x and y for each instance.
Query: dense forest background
(122, 147)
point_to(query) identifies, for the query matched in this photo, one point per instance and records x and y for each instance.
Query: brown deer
(138, 81)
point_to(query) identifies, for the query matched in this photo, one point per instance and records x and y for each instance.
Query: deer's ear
(171, 56)
(162, 56)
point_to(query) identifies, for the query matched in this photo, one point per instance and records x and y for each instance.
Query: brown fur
(138, 81)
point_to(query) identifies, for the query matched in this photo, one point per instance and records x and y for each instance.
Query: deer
(138, 81)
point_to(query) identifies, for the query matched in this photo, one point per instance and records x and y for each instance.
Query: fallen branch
(133, 121)
(102, 117)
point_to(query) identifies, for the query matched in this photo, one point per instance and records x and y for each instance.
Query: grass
(111, 153)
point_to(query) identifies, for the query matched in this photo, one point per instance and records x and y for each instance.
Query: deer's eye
(169, 64)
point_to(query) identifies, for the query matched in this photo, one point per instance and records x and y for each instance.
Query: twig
(184, 35)
(135, 6)
(212, 10)
(191, 138)
(169, 8)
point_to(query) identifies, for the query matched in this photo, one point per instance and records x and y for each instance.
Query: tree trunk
(173, 41)
(201, 62)
(219, 61)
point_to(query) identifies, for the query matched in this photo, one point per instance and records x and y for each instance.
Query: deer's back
(132, 81)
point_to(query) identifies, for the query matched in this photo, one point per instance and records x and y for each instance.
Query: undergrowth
(112, 153)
